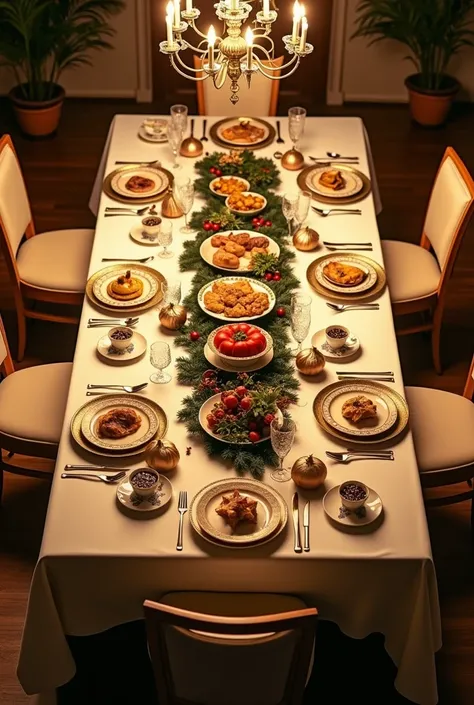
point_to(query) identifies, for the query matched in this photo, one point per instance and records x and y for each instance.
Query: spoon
(121, 387)
(191, 146)
(115, 321)
(127, 259)
(204, 126)
(280, 139)
(335, 155)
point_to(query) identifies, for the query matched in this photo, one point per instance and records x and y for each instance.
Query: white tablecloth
(97, 565)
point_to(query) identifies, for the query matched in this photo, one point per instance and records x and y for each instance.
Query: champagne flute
(171, 289)
(300, 319)
(174, 134)
(296, 120)
(179, 115)
(185, 196)
(160, 357)
(282, 435)
(288, 207)
(165, 238)
(302, 208)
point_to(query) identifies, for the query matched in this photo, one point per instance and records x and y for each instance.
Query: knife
(296, 523)
(93, 467)
(306, 525)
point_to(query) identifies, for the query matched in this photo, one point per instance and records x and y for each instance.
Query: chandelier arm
(176, 68)
(277, 78)
(261, 66)
(186, 45)
(270, 54)
(193, 25)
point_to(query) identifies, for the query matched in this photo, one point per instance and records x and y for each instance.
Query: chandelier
(231, 55)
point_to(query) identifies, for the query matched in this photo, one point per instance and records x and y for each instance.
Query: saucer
(319, 342)
(138, 346)
(129, 499)
(136, 233)
(218, 362)
(156, 131)
(367, 514)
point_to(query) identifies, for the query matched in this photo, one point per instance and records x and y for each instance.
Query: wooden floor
(59, 174)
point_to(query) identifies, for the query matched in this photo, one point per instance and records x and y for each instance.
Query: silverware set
(182, 509)
(375, 376)
(296, 524)
(142, 260)
(120, 387)
(324, 212)
(347, 457)
(359, 246)
(349, 307)
(110, 322)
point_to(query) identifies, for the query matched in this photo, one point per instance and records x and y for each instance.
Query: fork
(115, 321)
(330, 243)
(155, 162)
(360, 455)
(108, 479)
(348, 307)
(182, 509)
(348, 248)
(117, 209)
(121, 387)
(374, 378)
(328, 211)
(143, 260)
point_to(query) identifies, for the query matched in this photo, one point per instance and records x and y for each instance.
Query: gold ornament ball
(292, 160)
(162, 455)
(173, 316)
(306, 239)
(310, 361)
(308, 472)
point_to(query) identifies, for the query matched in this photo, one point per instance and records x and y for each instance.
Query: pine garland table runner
(280, 372)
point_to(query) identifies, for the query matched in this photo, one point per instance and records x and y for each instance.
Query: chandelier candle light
(231, 55)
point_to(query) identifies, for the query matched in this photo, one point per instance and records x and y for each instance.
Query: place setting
(336, 343)
(345, 276)
(242, 133)
(129, 289)
(334, 184)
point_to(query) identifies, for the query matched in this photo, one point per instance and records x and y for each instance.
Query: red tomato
(240, 391)
(231, 402)
(252, 426)
(268, 419)
(219, 414)
(242, 349)
(243, 327)
(227, 347)
(246, 403)
(211, 420)
(254, 436)
(221, 336)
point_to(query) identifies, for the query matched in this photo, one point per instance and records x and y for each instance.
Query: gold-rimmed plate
(257, 287)
(353, 183)
(207, 251)
(306, 176)
(156, 179)
(346, 294)
(125, 172)
(148, 280)
(126, 307)
(145, 432)
(272, 514)
(79, 439)
(397, 428)
(334, 401)
(369, 280)
(218, 133)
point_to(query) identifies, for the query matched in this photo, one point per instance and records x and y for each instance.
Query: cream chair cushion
(412, 272)
(449, 201)
(443, 428)
(14, 207)
(33, 401)
(57, 260)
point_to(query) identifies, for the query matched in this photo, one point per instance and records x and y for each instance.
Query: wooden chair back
(201, 658)
(450, 208)
(469, 388)
(260, 99)
(6, 362)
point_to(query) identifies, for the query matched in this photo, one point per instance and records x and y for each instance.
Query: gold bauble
(306, 239)
(308, 472)
(310, 361)
(173, 316)
(169, 206)
(292, 160)
(162, 455)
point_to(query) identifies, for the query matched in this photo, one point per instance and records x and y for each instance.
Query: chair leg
(472, 519)
(436, 341)
(21, 322)
(1, 477)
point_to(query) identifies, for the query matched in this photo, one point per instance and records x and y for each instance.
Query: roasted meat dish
(343, 274)
(139, 184)
(333, 179)
(358, 408)
(118, 423)
(243, 132)
(236, 509)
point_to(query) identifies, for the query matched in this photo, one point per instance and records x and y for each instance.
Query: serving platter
(125, 172)
(130, 307)
(343, 293)
(99, 407)
(148, 279)
(386, 409)
(305, 182)
(257, 286)
(353, 183)
(369, 281)
(217, 130)
(207, 251)
(206, 409)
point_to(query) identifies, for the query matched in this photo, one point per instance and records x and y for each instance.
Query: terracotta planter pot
(431, 107)
(37, 118)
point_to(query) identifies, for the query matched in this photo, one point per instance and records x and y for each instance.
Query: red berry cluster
(261, 223)
(215, 171)
(234, 404)
(272, 276)
(209, 381)
(209, 225)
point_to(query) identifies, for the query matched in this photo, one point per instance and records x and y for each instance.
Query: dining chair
(49, 267)
(418, 275)
(260, 99)
(32, 405)
(442, 424)
(215, 648)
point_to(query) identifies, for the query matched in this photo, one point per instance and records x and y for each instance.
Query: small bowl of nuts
(227, 185)
(145, 482)
(246, 202)
(121, 337)
(151, 225)
(353, 494)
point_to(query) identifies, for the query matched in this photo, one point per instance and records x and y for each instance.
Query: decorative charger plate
(206, 409)
(305, 182)
(386, 409)
(125, 306)
(257, 286)
(121, 178)
(272, 514)
(146, 431)
(207, 251)
(344, 293)
(369, 280)
(76, 423)
(148, 279)
(393, 432)
(353, 184)
(137, 199)
(218, 128)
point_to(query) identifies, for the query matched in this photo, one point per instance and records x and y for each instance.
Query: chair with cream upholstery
(51, 267)
(418, 277)
(232, 648)
(32, 405)
(260, 99)
(443, 432)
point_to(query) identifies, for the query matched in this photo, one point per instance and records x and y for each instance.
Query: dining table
(97, 563)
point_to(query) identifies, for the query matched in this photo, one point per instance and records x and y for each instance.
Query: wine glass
(282, 435)
(288, 206)
(296, 120)
(160, 357)
(174, 134)
(179, 115)
(300, 319)
(165, 238)
(185, 196)
(302, 208)
(171, 289)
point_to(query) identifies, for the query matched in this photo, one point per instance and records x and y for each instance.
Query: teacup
(121, 337)
(353, 494)
(144, 481)
(336, 336)
(151, 225)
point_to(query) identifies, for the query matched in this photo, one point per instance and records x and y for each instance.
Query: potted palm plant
(434, 31)
(39, 39)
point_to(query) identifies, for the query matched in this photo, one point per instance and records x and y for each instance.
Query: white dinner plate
(370, 511)
(242, 142)
(319, 342)
(207, 251)
(353, 183)
(257, 286)
(127, 497)
(121, 178)
(138, 348)
(149, 281)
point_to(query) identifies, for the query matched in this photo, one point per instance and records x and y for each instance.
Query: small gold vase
(169, 206)
(292, 160)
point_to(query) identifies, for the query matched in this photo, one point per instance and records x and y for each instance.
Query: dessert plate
(367, 514)
(120, 180)
(350, 348)
(105, 351)
(127, 497)
(370, 278)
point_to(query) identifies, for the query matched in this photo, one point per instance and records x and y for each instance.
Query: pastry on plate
(219, 240)
(234, 248)
(235, 509)
(225, 259)
(243, 132)
(358, 408)
(237, 300)
(125, 287)
(139, 184)
(259, 241)
(343, 274)
(240, 238)
(333, 179)
(118, 423)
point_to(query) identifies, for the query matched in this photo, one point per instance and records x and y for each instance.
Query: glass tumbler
(282, 436)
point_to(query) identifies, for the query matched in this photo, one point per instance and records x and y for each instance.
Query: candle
(296, 21)
(266, 8)
(169, 22)
(249, 40)
(234, 4)
(189, 6)
(211, 39)
(304, 33)
(177, 13)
